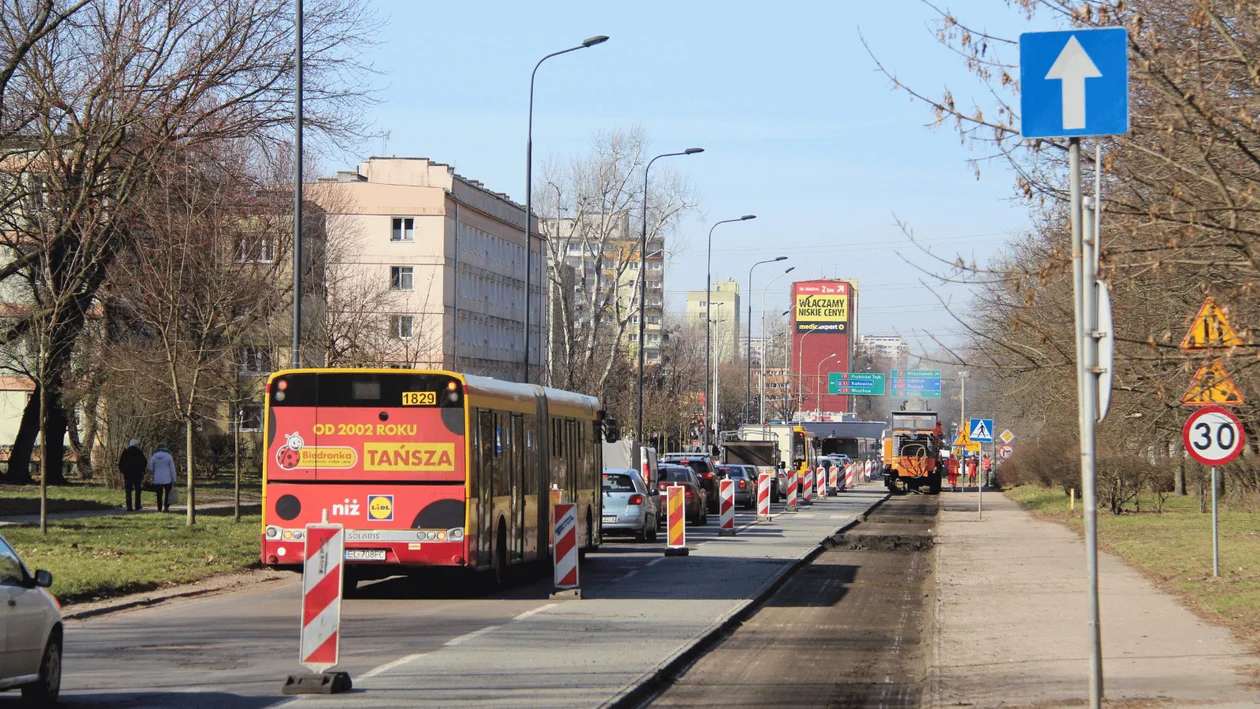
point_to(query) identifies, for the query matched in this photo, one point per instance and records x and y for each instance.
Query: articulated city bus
(425, 468)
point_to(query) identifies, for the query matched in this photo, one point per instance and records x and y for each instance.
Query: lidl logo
(380, 508)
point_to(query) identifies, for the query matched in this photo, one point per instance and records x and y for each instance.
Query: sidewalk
(1011, 622)
(85, 514)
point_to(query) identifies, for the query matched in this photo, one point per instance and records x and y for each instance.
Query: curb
(157, 598)
(647, 687)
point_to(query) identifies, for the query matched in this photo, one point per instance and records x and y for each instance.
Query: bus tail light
(455, 534)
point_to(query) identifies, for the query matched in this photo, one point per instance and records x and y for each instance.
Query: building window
(255, 360)
(654, 320)
(250, 417)
(401, 277)
(404, 229)
(400, 327)
(654, 266)
(251, 250)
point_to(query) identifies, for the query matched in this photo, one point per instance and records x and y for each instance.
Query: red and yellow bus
(426, 468)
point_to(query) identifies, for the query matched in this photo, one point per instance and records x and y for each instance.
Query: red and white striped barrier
(321, 595)
(849, 471)
(807, 488)
(791, 492)
(820, 481)
(676, 539)
(835, 478)
(565, 558)
(764, 481)
(726, 508)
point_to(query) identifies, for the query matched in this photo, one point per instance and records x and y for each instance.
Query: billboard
(822, 306)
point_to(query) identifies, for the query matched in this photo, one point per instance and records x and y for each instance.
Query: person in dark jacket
(132, 464)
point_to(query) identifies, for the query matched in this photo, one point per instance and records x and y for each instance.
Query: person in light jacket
(162, 465)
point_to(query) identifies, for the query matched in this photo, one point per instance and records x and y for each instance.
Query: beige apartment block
(438, 262)
(724, 308)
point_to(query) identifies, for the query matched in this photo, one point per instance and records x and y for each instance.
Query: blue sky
(797, 125)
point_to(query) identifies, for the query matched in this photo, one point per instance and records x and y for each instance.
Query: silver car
(30, 631)
(629, 506)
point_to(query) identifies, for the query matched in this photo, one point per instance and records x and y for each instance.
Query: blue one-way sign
(1074, 82)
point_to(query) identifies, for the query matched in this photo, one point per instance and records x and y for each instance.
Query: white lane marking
(391, 665)
(629, 575)
(535, 611)
(469, 636)
(656, 561)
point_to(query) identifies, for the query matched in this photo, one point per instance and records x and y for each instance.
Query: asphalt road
(445, 641)
(848, 630)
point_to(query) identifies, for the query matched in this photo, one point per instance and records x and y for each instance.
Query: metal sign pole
(1216, 556)
(1084, 276)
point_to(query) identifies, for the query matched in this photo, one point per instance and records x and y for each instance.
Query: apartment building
(894, 347)
(438, 261)
(723, 304)
(603, 252)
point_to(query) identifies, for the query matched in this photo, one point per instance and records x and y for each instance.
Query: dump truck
(912, 452)
(764, 455)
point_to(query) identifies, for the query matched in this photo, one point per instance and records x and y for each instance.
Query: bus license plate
(365, 555)
(610, 519)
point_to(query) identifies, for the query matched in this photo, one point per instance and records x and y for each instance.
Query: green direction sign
(856, 383)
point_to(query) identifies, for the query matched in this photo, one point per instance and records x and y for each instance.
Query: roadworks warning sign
(1212, 385)
(1210, 329)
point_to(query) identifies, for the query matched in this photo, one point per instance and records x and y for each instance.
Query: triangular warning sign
(1213, 385)
(1210, 329)
(962, 439)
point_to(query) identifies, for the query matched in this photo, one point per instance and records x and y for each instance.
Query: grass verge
(1173, 548)
(96, 558)
(79, 497)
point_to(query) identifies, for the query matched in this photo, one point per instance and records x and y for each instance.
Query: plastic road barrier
(820, 481)
(321, 596)
(835, 478)
(726, 508)
(566, 556)
(676, 544)
(849, 471)
(791, 492)
(807, 488)
(763, 496)
(866, 474)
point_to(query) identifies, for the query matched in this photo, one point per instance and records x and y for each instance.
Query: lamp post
(763, 338)
(708, 296)
(748, 357)
(800, 368)
(716, 395)
(529, 187)
(295, 347)
(818, 384)
(643, 278)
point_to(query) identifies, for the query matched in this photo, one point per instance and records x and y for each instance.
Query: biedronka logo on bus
(296, 454)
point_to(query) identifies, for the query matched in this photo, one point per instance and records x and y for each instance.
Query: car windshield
(732, 471)
(618, 483)
(675, 475)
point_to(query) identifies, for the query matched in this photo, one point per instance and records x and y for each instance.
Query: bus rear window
(382, 389)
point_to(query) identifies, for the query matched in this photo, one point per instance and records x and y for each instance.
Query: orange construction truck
(912, 452)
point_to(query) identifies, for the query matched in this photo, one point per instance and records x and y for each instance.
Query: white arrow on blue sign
(981, 430)
(1074, 82)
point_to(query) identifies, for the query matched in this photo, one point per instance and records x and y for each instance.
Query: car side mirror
(43, 579)
(654, 491)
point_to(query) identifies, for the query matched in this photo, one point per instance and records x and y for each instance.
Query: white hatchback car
(30, 631)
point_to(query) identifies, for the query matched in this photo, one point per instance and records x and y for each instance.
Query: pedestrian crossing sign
(963, 442)
(981, 430)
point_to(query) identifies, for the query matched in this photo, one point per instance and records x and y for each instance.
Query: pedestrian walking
(132, 464)
(951, 467)
(162, 465)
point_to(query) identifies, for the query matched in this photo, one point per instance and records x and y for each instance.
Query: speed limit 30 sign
(1213, 435)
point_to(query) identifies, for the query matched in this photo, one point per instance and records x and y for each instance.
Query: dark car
(705, 470)
(695, 507)
(744, 477)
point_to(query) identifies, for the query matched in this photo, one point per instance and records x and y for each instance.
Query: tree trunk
(188, 460)
(1179, 477)
(83, 444)
(19, 470)
(53, 443)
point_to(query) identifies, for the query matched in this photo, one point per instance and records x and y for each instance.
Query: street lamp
(643, 277)
(817, 383)
(708, 296)
(716, 395)
(295, 347)
(529, 186)
(748, 357)
(800, 368)
(763, 338)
